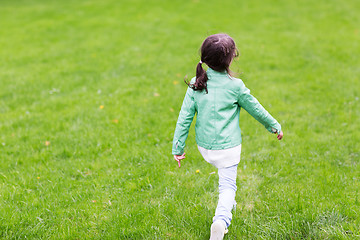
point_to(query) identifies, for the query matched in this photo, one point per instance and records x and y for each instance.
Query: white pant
(226, 160)
(227, 190)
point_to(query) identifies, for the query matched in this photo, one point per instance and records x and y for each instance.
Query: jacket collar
(212, 72)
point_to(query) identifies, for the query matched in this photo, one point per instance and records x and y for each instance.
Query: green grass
(108, 173)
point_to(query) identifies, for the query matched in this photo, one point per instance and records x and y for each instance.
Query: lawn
(89, 97)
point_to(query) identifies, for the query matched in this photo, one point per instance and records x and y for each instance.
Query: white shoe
(218, 230)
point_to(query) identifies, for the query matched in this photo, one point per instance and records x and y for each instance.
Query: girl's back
(218, 112)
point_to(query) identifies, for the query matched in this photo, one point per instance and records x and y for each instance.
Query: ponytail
(201, 79)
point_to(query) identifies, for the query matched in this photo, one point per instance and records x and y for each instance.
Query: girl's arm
(255, 109)
(184, 121)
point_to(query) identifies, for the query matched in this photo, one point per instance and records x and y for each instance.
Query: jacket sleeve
(184, 121)
(255, 109)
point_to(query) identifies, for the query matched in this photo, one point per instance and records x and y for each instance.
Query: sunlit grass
(89, 97)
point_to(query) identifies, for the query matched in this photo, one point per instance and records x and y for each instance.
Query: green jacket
(217, 122)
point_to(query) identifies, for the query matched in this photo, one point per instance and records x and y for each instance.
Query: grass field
(89, 97)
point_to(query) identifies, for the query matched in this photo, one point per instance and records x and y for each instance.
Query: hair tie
(200, 62)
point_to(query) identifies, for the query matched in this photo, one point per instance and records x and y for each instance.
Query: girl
(217, 97)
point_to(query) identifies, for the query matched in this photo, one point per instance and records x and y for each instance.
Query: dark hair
(217, 51)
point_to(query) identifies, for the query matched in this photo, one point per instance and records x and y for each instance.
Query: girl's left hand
(178, 158)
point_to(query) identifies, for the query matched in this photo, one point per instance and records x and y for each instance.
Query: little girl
(217, 97)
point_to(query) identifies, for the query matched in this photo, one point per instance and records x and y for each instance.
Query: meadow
(89, 97)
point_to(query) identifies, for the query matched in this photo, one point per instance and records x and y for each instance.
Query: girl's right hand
(280, 135)
(178, 158)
